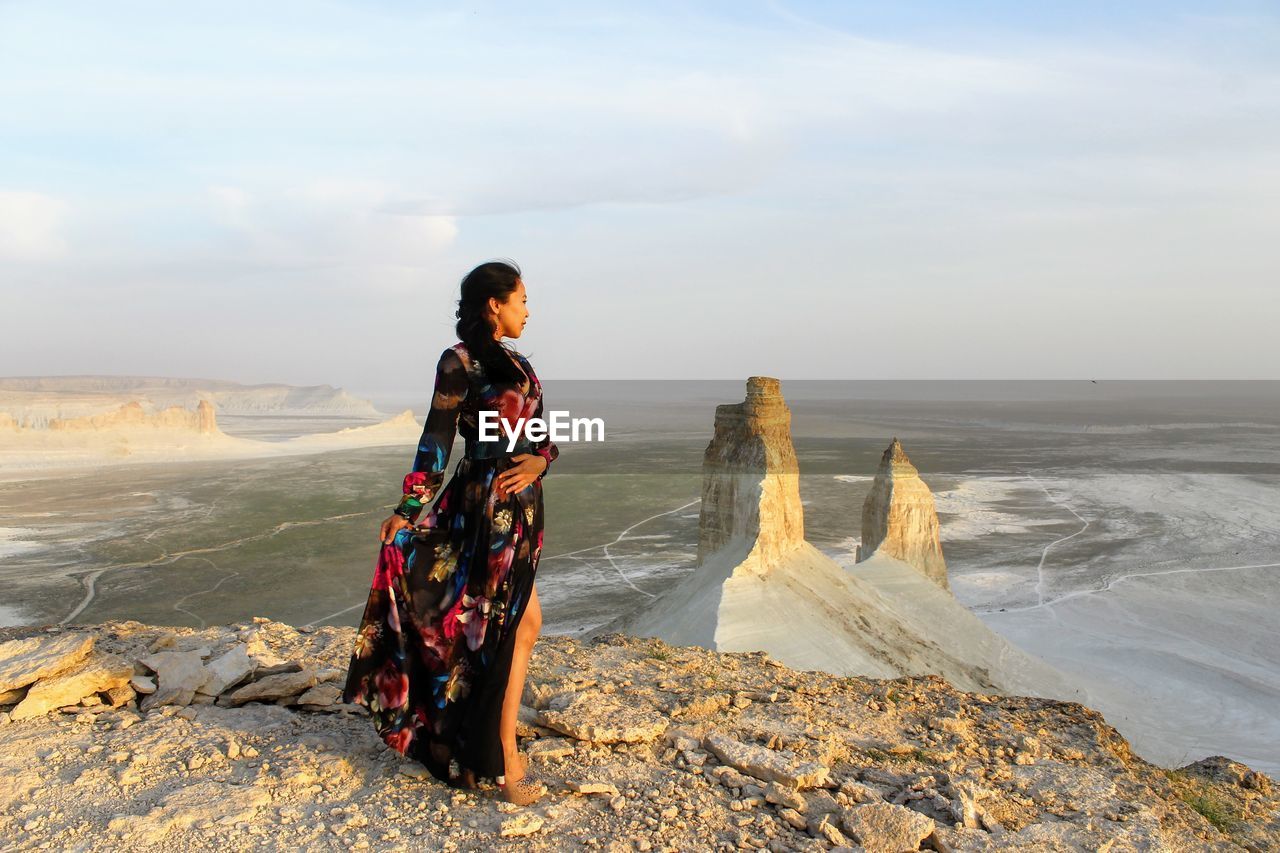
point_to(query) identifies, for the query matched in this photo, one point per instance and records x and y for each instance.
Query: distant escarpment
(127, 417)
(35, 400)
(124, 736)
(56, 428)
(132, 415)
(129, 432)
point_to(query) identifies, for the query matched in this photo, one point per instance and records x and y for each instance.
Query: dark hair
(499, 280)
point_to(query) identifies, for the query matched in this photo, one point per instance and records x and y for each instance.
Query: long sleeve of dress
(545, 448)
(438, 433)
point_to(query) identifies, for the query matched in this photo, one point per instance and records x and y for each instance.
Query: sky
(292, 191)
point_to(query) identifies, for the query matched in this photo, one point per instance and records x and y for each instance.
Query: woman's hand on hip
(391, 527)
(518, 477)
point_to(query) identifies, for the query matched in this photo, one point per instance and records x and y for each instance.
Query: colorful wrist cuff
(408, 507)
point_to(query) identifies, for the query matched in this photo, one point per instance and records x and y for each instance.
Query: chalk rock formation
(899, 517)
(759, 585)
(680, 744)
(751, 479)
(403, 429)
(53, 429)
(132, 415)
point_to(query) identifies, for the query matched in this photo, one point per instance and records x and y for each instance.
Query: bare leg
(526, 635)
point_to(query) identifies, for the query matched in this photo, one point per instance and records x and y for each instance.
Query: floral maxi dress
(434, 647)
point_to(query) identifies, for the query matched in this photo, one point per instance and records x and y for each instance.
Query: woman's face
(513, 314)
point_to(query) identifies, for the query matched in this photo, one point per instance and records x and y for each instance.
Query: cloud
(31, 226)
(326, 222)
(329, 160)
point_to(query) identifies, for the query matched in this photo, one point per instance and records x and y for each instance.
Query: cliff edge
(229, 738)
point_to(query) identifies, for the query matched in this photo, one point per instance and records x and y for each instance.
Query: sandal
(525, 789)
(522, 791)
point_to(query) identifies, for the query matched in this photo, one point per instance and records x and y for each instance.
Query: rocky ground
(128, 736)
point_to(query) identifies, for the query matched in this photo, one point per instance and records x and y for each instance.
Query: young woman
(452, 616)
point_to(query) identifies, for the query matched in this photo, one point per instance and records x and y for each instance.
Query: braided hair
(475, 327)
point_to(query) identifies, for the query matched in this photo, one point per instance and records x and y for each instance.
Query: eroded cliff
(900, 519)
(643, 745)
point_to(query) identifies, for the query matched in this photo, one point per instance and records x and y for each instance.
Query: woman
(444, 644)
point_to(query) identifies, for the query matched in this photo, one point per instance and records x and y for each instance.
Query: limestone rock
(784, 795)
(1088, 787)
(285, 685)
(227, 670)
(331, 673)
(581, 787)
(823, 826)
(206, 418)
(751, 478)
(551, 747)
(264, 775)
(600, 718)
(204, 801)
(858, 792)
(759, 585)
(1224, 771)
(899, 517)
(766, 764)
(133, 415)
(261, 652)
(518, 825)
(327, 693)
(101, 672)
(264, 670)
(886, 828)
(121, 695)
(26, 661)
(729, 776)
(178, 696)
(177, 671)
